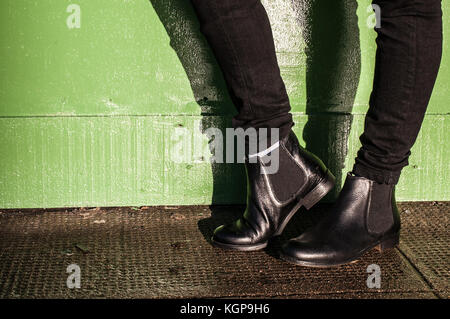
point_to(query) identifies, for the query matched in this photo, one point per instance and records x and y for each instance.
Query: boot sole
(239, 247)
(308, 201)
(383, 245)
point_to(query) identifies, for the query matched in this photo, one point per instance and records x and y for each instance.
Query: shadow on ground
(302, 220)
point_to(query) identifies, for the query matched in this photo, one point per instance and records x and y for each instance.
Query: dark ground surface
(163, 252)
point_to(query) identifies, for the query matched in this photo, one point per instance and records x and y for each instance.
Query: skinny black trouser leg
(409, 49)
(240, 36)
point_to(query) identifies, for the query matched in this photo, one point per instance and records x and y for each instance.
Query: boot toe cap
(231, 235)
(307, 253)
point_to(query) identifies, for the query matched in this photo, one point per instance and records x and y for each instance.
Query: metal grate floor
(162, 252)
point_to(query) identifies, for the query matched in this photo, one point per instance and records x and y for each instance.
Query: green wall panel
(114, 161)
(89, 115)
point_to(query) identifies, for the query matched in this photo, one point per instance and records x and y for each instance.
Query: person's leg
(241, 38)
(365, 214)
(407, 61)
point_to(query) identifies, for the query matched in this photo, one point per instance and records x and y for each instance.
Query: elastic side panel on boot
(289, 178)
(380, 217)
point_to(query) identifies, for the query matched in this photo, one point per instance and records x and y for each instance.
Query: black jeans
(409, 49)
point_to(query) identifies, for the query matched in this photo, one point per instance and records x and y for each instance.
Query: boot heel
(319, 191)
(309, 200)
(389, 243)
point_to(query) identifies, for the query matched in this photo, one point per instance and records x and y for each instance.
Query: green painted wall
(89, 116)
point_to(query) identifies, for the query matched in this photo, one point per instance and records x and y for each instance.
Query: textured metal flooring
(164, 252)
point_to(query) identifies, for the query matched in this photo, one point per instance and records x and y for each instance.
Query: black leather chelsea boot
(273, 198)
(364, 216)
